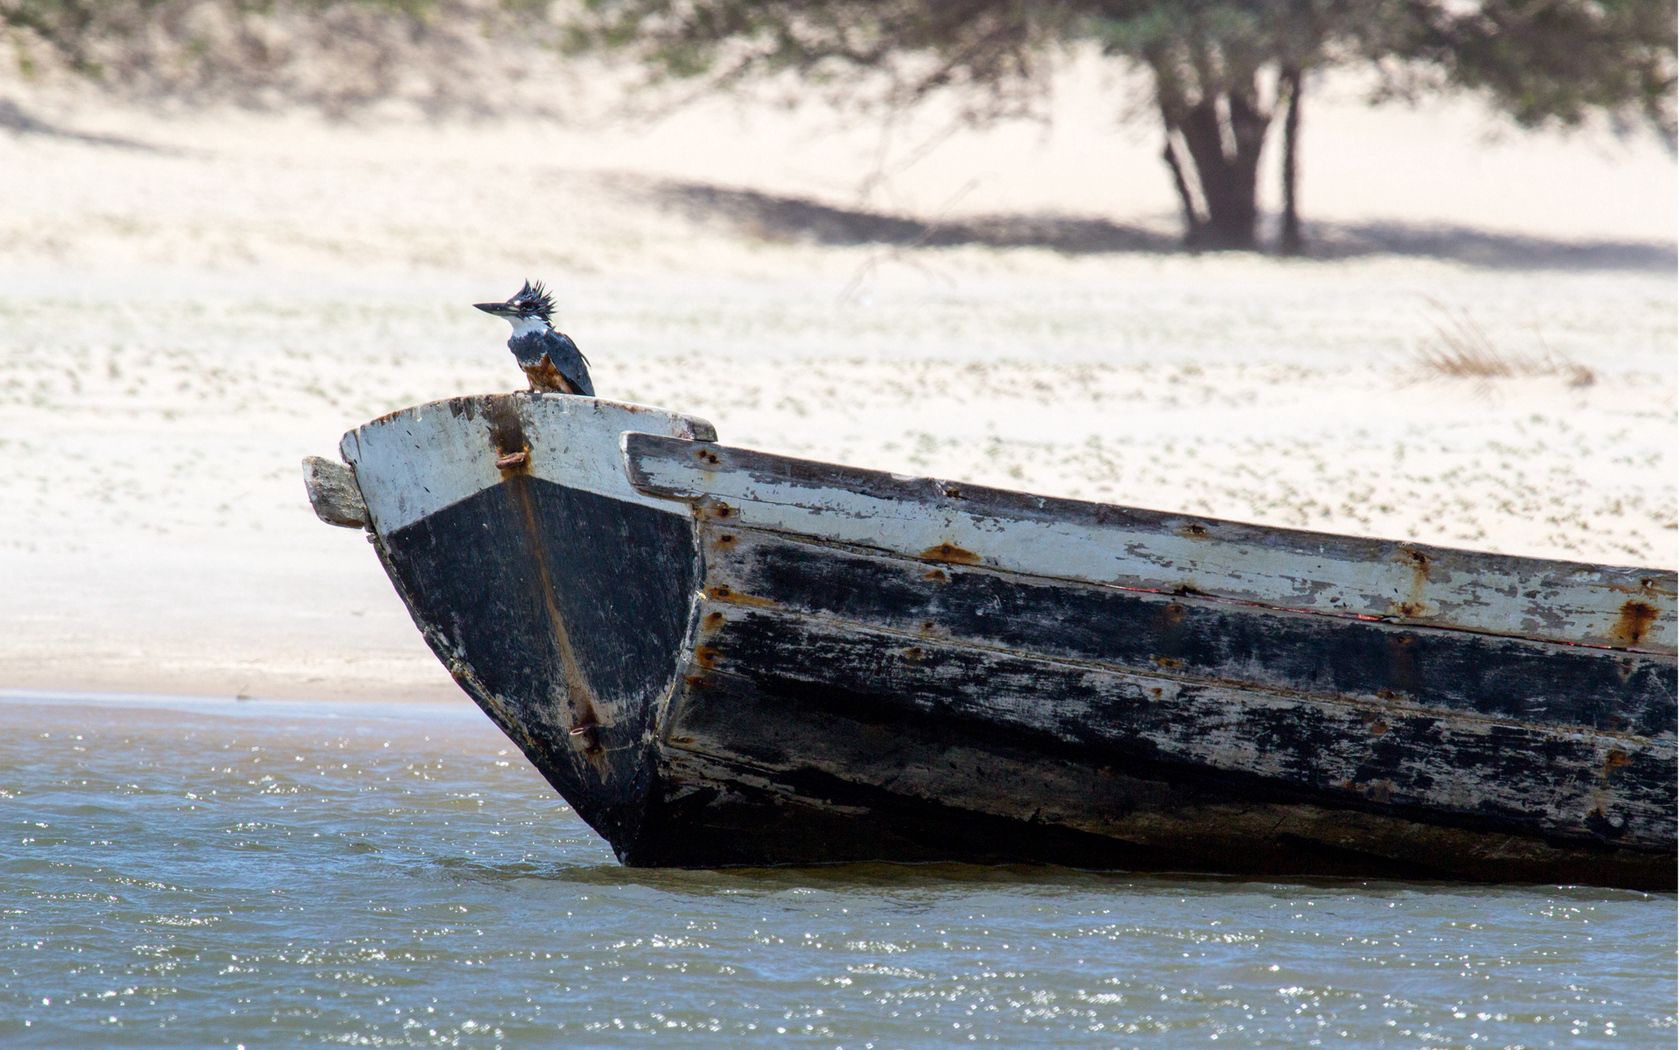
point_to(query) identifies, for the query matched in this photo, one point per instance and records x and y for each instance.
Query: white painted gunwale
(417, 461)
(1573, 603)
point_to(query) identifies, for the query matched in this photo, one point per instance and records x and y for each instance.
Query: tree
(1222, 70)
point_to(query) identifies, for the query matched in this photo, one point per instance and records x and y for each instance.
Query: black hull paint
(896, 781)
(562, 614)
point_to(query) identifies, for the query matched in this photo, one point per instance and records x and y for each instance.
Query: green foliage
(1544, 62)
(915, 48)
(1541, 61)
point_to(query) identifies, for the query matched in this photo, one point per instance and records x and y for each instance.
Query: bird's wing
(571, 362)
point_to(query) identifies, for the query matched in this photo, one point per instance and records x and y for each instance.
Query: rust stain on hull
(720, 593)
(507, 433)
(1613, 761)
(1414, 604)
(1633, 622)
(951, 554)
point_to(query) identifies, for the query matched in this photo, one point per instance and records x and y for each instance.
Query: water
(202, 873)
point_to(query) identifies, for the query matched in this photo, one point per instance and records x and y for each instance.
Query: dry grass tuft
(1461, 349)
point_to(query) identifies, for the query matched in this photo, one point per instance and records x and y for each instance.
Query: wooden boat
(726, 657)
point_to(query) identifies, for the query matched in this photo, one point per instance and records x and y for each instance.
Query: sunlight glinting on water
(207, 873)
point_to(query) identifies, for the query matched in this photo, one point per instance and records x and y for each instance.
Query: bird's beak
(499, 309)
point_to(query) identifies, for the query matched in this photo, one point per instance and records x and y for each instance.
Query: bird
(552, 362)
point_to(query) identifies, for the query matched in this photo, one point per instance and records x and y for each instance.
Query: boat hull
(721, 657)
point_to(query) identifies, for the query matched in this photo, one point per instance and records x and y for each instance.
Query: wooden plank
(1197, 638)
(946, 522)
(744, 784)
(1575, 784)
(333, 493)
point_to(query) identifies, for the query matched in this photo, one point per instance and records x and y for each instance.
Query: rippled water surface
(205, 873)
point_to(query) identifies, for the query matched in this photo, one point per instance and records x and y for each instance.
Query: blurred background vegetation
(1223, 77)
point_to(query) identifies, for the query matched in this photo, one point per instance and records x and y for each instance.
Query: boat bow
(555, 594)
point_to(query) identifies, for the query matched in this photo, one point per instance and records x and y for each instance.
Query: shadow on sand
(773, 217)
(14, 118)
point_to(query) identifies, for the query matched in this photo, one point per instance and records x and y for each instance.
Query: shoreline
(254, 706)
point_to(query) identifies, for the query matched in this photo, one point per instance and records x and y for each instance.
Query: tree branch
(1290, 240)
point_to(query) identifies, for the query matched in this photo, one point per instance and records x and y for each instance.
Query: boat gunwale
(954, 498)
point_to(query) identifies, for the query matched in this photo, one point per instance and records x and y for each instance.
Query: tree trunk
(1186, 201)
(1290, 242)
(1226, 155)
(1217, 117)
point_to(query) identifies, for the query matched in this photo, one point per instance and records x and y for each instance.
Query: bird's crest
(533, 300)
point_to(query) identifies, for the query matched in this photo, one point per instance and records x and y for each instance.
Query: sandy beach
(191, 303)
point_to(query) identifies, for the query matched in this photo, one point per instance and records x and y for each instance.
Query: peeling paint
(1147, 550)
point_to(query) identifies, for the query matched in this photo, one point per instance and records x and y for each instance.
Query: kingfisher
(552, 362)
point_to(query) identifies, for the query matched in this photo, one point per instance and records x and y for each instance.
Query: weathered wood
(946, 522)
(333, 493)
(923, 790)
(948, 794)
(1196, 638)
(556, 595)
(1338, 752)
(420, 460)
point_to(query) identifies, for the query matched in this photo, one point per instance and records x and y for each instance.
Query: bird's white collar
(528, 326)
